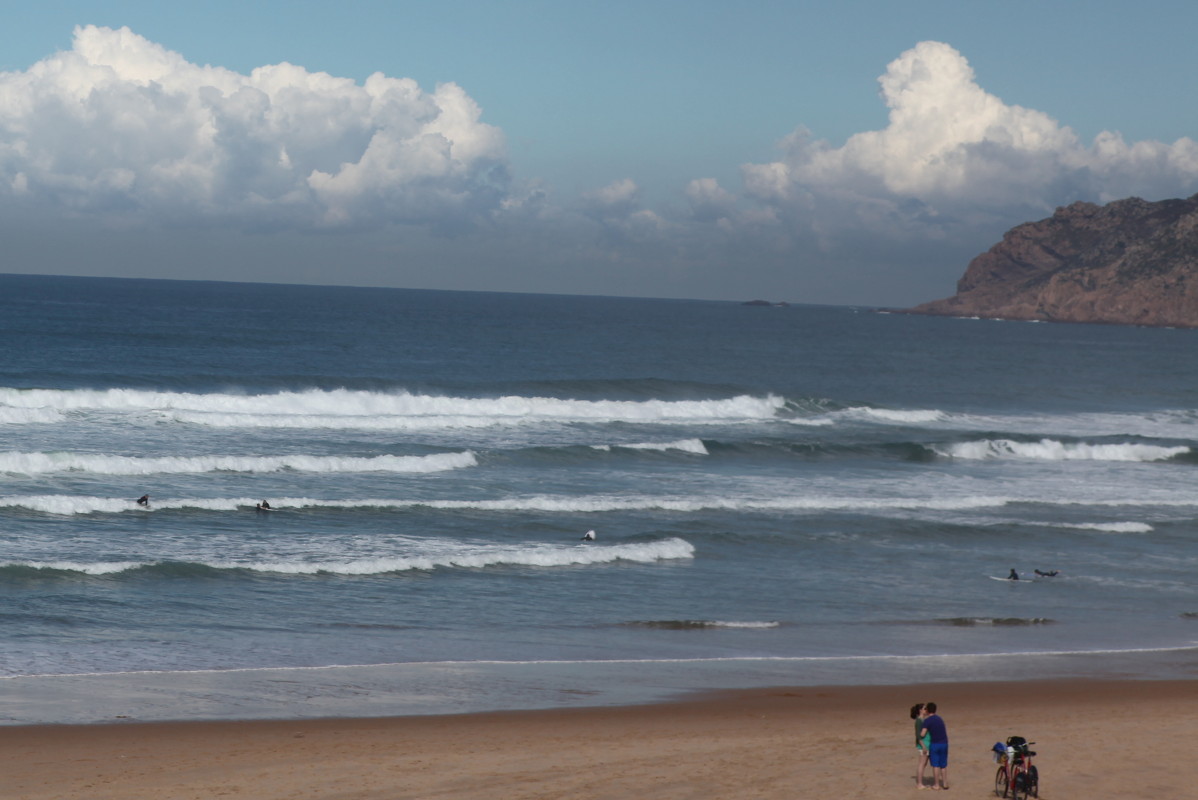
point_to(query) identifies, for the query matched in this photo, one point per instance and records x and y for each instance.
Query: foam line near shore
(481, 686)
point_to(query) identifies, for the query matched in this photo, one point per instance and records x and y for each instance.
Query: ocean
(779, 494)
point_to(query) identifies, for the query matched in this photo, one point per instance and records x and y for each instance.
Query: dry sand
(1131, 739)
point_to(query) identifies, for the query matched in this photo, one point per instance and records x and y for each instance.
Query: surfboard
(1011, 580)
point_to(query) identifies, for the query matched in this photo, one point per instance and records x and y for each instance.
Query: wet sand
(1093, 738)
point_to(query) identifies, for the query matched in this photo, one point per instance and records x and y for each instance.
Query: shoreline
(1093, 736)
(444, 688)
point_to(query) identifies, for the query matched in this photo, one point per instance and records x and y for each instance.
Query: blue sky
(632, 148)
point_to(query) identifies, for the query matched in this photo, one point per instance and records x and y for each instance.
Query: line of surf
(1053, 450)
(966, 657)
(477, 556)
(77, 504)
(39, 463)
(694, 446)
(356, 408)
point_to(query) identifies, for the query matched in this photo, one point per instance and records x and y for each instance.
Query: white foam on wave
(1167, 424)
(588, 504)
(471, 556)
(704, 624)
(345, 408)
(486, 556)
(79, 504)
(582, 504)
(317, 422)
(811, 422)
(1108, 527)
(917, 416)
(1052, 450)
(43, 463)
(28, 416)
(70, 504)
(694, 446)
(92, 568)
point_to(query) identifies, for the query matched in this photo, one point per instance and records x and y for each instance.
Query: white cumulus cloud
(120, 124)
(952, 150)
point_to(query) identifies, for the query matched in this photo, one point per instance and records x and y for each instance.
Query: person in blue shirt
(938, 749)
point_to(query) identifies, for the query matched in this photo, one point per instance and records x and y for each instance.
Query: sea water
(786, 490)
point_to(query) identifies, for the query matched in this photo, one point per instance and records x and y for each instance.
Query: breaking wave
(471, 557)
(902, 416)
(70, 504)
(1107, 527)
(42, 463)
(1053, 450)
(372, 410)
(695, 446)
(28, 416)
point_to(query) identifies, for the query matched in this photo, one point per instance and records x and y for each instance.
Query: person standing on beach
(922, 741)
(938, 749)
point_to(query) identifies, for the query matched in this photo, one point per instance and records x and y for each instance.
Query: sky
(850, 153)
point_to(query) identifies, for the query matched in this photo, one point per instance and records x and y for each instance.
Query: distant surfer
(589, 536)
(264, 506)
(1014, 576)
(1052, 573)
(144, 500)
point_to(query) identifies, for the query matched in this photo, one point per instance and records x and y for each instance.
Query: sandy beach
(1094, 738)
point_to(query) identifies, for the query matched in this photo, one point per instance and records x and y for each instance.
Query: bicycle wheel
(1000, 782)
(1031, 783)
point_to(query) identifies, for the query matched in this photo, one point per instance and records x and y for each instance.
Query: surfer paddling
(589, 536)
(264, 506)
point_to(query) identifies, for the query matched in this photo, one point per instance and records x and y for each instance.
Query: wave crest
(345, 408)
(465, 557)
(72, 504)
(1053, 450)
(28, 416)
(694, 446)
(43, 463)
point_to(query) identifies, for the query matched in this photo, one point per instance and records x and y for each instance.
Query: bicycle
(1017, 777)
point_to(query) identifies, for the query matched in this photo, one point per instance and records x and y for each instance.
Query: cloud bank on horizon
(121, 130)
(120, 125)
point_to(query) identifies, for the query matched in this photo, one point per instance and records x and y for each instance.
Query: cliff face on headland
(1130, 262)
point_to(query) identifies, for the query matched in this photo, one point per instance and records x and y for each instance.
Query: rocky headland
(1130, 262)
